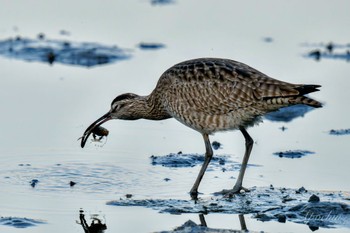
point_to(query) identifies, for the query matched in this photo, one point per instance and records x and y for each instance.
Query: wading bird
(210, 95)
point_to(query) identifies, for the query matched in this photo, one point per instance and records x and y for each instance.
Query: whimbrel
(210, 95)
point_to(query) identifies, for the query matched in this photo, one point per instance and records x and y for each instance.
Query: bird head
(122, 107)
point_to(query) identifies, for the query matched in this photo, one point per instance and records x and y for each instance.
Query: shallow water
(45, 109)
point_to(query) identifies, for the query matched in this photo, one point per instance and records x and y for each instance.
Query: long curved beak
(89, 130)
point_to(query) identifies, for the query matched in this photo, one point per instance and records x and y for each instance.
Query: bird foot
(194, 194)
(229, 193)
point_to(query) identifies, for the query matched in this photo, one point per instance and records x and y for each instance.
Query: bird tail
(306, 89)
(306, 100)
(301, 99)
(295, 95)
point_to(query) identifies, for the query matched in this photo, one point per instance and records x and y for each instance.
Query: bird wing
(218, 86)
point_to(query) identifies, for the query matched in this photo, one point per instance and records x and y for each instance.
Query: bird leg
(242, 222)
(208, 156)
(248, 148)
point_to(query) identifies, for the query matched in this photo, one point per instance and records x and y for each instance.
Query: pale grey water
(45, 109)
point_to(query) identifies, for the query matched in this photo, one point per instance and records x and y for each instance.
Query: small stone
(313, 228)
(216, 145)
(33, 182)
(283, 128)
(128, 195)
(72, 183)
(301, 190)
(41, 36)
(263, 217)
(287, 198)
(281, 218)
(167, 179)
(271, 187)
(314, 199)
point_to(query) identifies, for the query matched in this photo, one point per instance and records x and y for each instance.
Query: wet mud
(288, 114)
(192, 227)
(292, 154)
(85, 54)
(313, 208)
(18, 222)
(150, 46)
(182, 160)
(329, 50)
(339, 132)
(188, 160)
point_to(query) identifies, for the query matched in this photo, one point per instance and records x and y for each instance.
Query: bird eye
(119, 106)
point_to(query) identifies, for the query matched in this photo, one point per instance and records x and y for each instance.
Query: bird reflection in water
(96, 225)
(190, 226)
(240, 217)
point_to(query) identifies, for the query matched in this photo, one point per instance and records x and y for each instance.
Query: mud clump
(265, 204)
(186, 160)
(85, 54)
(216, 145)
(339, 132)
(150, 46)
(18, 222)
(314, 199)
(292, 154)
(34, 182)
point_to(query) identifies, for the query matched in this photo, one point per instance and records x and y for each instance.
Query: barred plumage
(211, 95)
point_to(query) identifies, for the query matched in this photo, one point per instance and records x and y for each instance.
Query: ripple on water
(86, 177)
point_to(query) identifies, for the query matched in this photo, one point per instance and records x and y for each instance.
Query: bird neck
(155, 108)
(145, 107)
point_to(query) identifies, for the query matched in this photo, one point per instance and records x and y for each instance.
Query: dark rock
(313, 228)
(316, 54)
(281, 218)
(287, 198)
(264, 217)
(301, 190)
(314, 198)
(72, 183)
(216, 145)
(34, 182)
(283, 128)
(51, 57)
(128, 195)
